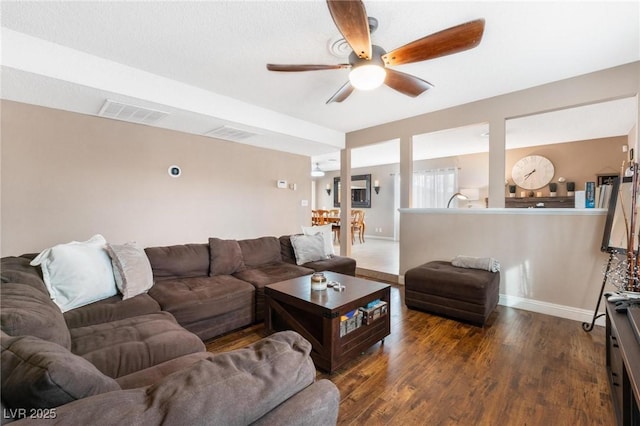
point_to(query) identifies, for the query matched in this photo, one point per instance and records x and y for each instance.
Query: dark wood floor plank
(523, 368)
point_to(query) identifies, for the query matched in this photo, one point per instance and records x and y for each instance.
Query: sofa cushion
(341, 264)
(15, 269)
(154, 374)
(41, 374)
(226, 257)
(24, 310)
(308, 248)
(269, 274)
(272, 273)
(196, 301)
(77, 273)
(131, 269)
(121, 347)
(111, 309)
(241, 385)
(260, 251)
(179, 261)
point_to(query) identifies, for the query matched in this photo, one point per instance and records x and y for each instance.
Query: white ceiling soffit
(40, 57)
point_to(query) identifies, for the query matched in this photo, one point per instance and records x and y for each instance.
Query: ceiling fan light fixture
(367, 77)
(316, 172)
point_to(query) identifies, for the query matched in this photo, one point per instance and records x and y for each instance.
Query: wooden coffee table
(316, 315)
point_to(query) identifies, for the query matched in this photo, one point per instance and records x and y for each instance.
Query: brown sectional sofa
(142, 360)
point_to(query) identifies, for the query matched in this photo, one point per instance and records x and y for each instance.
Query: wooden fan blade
(294, 68)
(452, 40)
(351, 19)
(407, 84)
(342, 93)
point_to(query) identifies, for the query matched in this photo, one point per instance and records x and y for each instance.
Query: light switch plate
(282, 184)
(304, 203)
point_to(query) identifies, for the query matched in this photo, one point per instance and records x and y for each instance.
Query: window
(433, 188)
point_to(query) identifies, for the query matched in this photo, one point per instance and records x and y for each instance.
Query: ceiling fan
(370, 64)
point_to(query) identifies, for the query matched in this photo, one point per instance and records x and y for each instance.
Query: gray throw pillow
(41, 374)
(308, 248)
(131, 269)
(226, 257)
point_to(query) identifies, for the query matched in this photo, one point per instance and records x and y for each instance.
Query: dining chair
(357, 225)
(320, 217)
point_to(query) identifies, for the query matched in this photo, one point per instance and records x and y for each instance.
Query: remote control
(616, 298)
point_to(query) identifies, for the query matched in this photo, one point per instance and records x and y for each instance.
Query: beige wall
(577, 162)
(67, 176)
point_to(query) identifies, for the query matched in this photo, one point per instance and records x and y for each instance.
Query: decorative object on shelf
(532, 172)
(620, 238)
(458, 195)
(316, 171)
(590, 195)
(318, 281)
(328, 189)
(376, 186)
(512, 191)
(571, 189)
(553, 189)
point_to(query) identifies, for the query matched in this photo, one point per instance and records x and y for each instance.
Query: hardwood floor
(523, 368)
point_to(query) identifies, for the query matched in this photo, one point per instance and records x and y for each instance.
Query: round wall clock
(532, 172)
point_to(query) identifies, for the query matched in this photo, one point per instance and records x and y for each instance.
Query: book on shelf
(590, 195)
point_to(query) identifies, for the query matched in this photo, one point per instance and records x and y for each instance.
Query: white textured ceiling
(205, 61)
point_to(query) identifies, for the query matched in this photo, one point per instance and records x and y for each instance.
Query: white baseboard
(562, 311)
(378, 237)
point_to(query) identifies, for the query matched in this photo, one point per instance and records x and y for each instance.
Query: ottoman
(460, 293)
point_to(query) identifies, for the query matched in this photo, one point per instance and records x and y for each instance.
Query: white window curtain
(433, 188)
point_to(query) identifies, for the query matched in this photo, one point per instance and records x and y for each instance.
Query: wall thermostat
(174, 171)
(282, 184)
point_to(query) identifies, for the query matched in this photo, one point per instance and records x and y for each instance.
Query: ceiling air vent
(133, 113)
(230, 133)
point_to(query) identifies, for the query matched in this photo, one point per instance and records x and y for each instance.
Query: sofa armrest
(231, 388)
(317, 404)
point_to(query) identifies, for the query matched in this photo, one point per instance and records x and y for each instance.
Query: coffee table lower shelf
(322, 327)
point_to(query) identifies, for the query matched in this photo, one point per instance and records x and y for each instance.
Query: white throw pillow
(327, 234)
(131, 269)
(77, 273)
(308, 248)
